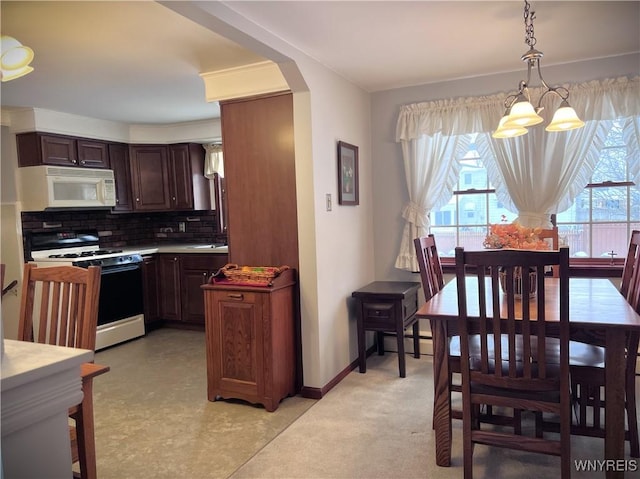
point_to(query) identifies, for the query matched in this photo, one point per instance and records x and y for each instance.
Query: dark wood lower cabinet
(150, 290)
(180, 276)
(169, 286)
(196, 269)
(250, 341)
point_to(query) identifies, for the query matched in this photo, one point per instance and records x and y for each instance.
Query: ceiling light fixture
(519, 112)
(15, 59)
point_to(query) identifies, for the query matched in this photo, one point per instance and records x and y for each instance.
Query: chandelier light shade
(15, 59)
(508, 132)
(520, 113)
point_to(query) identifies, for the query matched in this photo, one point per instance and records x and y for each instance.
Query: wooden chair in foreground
(517, 376)
(59, 306)
(587, 371)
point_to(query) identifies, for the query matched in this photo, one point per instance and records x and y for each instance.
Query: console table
(387, 306)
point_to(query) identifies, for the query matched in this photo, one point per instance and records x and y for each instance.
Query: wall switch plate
(182, 227)
(328, 201)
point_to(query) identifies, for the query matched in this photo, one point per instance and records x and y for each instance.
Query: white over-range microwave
(44, 187)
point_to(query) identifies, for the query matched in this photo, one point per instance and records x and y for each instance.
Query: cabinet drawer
(379, 315)
(238, 296)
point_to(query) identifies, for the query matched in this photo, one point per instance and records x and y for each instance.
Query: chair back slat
(60, 305)
(429, 264)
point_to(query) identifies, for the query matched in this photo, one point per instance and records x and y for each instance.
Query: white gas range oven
(120, 307)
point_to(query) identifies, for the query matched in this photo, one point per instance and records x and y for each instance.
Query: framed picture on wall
(347, 174)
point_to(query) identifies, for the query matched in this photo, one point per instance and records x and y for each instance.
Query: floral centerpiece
(515, 236)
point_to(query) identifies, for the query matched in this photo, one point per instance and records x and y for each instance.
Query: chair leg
(85, 433)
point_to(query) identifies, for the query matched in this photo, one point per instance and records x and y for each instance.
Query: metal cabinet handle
(239, 296)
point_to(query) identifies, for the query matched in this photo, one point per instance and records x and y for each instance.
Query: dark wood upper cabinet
(119, 160)
(150, 177)
(49, 149)
(169, 177)
(45, 149)
(93, 153)
(220, 197)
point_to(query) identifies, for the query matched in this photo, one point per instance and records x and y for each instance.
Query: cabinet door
(93, 153)
(196, 271)
(150, 290)
(119, 159)
(150, 178)
(220, 196)
(58, 150)
(238, 338)
(169, 286)
(192, 294)
(46, 149)
(181, 184)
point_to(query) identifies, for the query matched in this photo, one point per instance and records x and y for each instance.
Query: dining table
(597, 311)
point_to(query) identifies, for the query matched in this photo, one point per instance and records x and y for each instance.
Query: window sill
(578, 267)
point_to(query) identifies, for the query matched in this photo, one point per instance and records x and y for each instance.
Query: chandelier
(519, 112)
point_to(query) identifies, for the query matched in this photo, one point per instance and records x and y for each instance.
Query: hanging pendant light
(520, 111)
(15, 58)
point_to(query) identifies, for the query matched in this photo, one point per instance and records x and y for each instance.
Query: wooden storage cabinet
(169, 178)
(93, 153)
(179, 277)
(169, 286)
(196, 269)
(150, 178)
(119, 159)
(150, 288)
(49, 149)
(250, 341)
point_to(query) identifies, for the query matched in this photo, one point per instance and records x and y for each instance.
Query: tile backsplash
(132, 229)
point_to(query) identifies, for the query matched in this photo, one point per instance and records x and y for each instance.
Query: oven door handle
(120, 269)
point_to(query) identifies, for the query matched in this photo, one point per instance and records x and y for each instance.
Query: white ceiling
(139, 62)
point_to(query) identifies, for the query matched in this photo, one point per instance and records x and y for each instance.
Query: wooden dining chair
(551, 236)
(587, 366)
(59, 306)
(518, 375)
(432, 282)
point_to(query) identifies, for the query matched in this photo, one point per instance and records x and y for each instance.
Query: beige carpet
(378, 425)
(153, 421)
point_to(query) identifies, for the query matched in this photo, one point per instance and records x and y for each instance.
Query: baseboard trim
(318, 393)
(426, 348)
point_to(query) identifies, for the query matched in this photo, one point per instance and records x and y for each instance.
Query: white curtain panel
(536, 174)
(213, 161)
(431, 176)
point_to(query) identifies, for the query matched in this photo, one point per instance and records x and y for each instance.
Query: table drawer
(379, 315)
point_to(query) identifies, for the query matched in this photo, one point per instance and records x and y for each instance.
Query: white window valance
(536, 174)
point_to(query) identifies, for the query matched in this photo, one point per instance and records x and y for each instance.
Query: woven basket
(262, 275)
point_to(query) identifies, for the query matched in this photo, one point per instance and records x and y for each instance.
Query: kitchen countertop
(177, 248)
